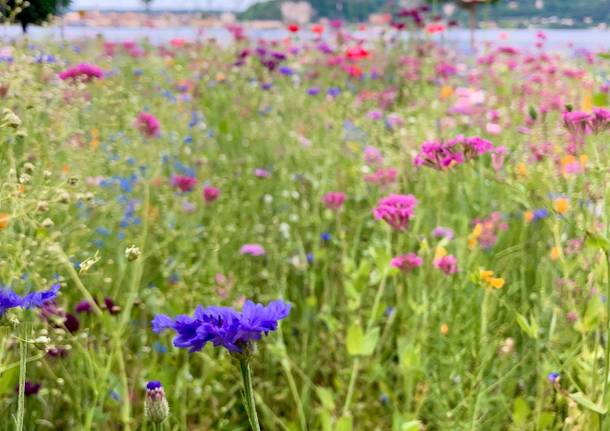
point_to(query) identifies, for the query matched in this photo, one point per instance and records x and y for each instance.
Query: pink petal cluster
(334, 200)
(252, 250)
(148, 124)
(406, 262)
(83, 70)
(382, 176)
(447, 264)
(396, 210)
(210, 194)
(184, 183)
(444, 155)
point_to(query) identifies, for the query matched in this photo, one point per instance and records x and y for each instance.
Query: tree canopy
(35, 12)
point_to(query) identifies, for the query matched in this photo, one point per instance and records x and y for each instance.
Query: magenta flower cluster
(447, 154)
(396, 210)
(84, 71)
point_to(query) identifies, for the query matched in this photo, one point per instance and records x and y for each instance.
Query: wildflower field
(317, 233)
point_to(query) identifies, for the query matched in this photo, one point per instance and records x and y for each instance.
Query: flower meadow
(314, 233)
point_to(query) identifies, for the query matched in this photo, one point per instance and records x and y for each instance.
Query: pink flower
(396, 210)
(261, 173)
(600, 121)
(83, 70)
(406, 262)
(382, 176)
(372, 156)
(148, 124)
(252, 250)
(447, 264)
(444, 155)
(334, 200)
(184, 183)
(210, 194)
(443, 232)
(493, 128)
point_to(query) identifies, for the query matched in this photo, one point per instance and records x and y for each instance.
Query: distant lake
(557, 39)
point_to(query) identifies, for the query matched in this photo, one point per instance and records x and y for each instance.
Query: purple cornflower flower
(10, 299)
(396, 210)
(223, 326)
(156, 407)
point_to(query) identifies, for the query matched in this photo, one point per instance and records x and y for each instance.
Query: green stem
(244, 365)
(607, 358)
(23, 353)
(352, 385)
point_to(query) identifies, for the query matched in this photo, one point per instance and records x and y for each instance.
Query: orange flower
(4, 219)
(444, 329)
(555, 253)
(561, 205)
(528, 216)
(446, 92)
(521, 170)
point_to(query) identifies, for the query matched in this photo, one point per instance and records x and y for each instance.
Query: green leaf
(546, 420)
(370, 342)
(411, 426)
(355, 340)
(523, 324)
(326, 398)
(344, 424)
(600, 99)
(521, 411)
(594, 240)
(587, 403)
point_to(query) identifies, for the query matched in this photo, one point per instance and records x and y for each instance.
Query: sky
(161, 4)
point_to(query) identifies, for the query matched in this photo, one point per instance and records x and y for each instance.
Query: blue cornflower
(325, 236)
(540, 213)
(285, 70)
(223, 326)
(10, 299)
(333, 91)
(553, 377)
(310, 258)
(313, 91)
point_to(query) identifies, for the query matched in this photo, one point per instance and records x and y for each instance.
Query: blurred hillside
(518, 13)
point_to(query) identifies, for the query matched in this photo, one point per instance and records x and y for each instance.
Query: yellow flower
(528, 216)
(555, 253)
(561, 205)
(489, 279)
(496, 283)
(474, 235)
(485, 274)
(587, 102)
(440, 253)
(521, 170)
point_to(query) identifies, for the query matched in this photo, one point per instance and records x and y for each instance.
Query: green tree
(471, 7)
(35, 12)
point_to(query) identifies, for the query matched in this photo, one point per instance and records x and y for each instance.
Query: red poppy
(317, 28)
(293, 28)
